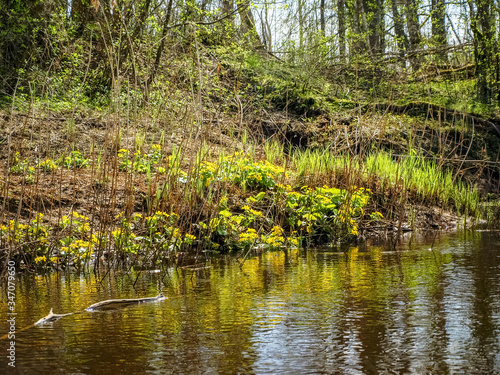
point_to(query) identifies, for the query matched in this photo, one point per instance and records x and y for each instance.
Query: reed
(386, 175)
(424, 179)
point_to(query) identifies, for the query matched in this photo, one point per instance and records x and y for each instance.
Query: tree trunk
(322, 18)
(228, 23)
(161, 47)
(358, 43)
(374, 9)
(301, 24)
(248, 26)
(341, 29)
(266, 28)
(227, 8)
(399, 28)
(82, 13)
(136, 33)
(413, 31)
(438, 15)
(484, 44)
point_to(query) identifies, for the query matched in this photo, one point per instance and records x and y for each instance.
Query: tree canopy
(359, 41)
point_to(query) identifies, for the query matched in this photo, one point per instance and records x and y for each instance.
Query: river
(424, 305)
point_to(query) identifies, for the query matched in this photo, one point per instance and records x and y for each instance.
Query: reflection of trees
(485, 306)
(374, 311)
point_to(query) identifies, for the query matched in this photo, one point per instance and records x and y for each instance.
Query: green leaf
(225, 213)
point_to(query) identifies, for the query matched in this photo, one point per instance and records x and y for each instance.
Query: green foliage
(239, 169)
(32, 238)
(75, 160)
(78, 243)
(141, 163)
(457, 94)
(319, 215)
(22, 167)
(48, 165)
(162, 231)
(275, 215)
(278, 84)
(324, 214)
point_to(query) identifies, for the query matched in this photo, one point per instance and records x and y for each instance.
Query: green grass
(318, 162)
(381, 172)
(426, 179)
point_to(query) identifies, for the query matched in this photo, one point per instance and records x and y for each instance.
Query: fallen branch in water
(125, 301)
(51, 317)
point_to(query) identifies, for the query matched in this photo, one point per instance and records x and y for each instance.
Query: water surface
(374, 309)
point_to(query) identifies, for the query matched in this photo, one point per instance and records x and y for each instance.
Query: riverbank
(103, 192)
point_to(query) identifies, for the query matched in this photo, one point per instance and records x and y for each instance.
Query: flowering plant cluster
(240, 169)
(32, 237)
(139, 162)
(325, 214)
(75, 160)
(139, 235)
(244, 230)
(22, 167)
(78, 244)
(312, 215)
(275, 216)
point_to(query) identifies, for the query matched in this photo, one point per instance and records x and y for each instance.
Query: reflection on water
(379, 309)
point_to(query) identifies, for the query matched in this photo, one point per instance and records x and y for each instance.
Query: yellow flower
(176, 233)
(96, 237)
(225, 213)
(85, 228)
(249, 236)
(40, 259)
(117, 232)
(277, 230)
(256, 213)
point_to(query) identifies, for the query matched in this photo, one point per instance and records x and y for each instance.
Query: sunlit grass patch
(425, 178)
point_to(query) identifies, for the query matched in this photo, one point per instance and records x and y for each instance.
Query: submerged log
(51, 318)
(111, 303)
